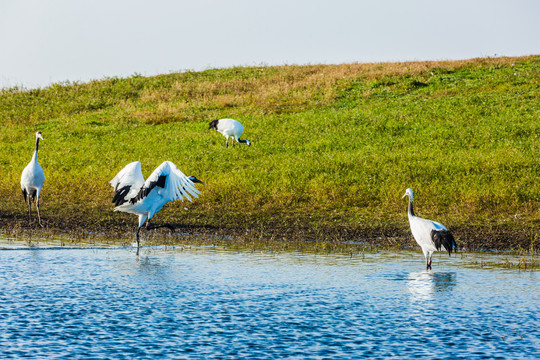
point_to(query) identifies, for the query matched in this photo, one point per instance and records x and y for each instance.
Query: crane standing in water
(430, 235)
(134, 195)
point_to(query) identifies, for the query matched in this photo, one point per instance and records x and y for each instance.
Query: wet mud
(123, 230)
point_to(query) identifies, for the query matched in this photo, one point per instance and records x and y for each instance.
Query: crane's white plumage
(134, 195)
(127, 183)
(229, 128)
(430, 235)
(32, 179)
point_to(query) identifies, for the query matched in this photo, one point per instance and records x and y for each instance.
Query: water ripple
(207, 303)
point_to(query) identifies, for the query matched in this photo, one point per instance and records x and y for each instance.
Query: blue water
(205, 303)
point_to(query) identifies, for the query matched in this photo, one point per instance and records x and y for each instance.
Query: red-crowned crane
(32, 180)
(430, 235)
(229, 128)
(134, 195)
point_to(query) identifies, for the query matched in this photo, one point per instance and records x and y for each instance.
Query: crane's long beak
(404, 195)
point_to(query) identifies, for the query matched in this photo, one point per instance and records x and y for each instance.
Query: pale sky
(48, 41)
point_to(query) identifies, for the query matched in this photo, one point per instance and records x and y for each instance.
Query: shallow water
(212, 303)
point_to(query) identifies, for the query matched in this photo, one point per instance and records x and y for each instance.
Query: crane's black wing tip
(120, 195)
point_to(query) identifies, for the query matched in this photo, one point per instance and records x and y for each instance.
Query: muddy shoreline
(468, 239)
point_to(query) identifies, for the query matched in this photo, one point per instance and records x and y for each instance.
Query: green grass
(334, 148)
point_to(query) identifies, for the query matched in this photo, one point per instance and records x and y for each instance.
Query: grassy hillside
(334, 148)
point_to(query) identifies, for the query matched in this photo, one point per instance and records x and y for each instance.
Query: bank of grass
(334, 148)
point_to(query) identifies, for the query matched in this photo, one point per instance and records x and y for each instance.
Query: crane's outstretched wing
(127, 183)
(169, 182)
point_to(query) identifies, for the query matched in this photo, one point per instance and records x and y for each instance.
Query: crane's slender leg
(428, 266)
(227, 143)
(138, 243)
(39, 216)
(148, 227)
(29, 209)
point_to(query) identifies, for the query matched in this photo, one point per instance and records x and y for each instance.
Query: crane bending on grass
(229, 128)
(134, 195)
(430, 235)
(32, 180)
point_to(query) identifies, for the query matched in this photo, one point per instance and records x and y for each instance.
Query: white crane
(229, 128)
(430, 235)
(32, 180)
(134, 195)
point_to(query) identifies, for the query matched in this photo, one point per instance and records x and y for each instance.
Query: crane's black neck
(243, 141)
(410, 210)
(36, 150)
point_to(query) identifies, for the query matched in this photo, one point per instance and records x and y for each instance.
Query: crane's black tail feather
(443, 238)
